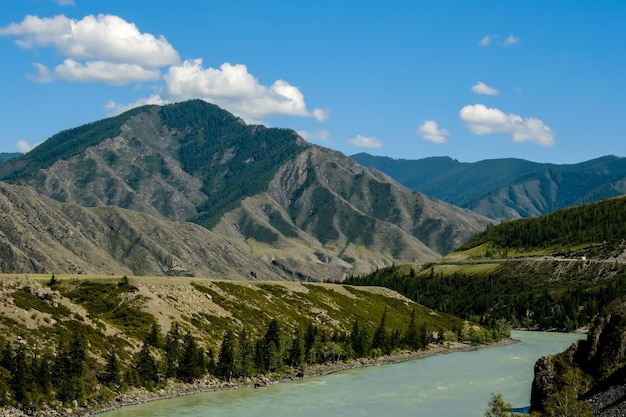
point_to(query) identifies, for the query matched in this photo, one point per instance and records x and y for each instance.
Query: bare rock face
(606, 343)
(543, 383)
(594, 368)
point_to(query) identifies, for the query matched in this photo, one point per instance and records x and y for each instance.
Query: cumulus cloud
(485, 41)
(482, 88)
(24, 146)
(96, 71)
(235, 89)
(321, 135)
(511, 40)
(482, 120)
(431, 131)
(365, 142)
(103, 37)
(108, 49)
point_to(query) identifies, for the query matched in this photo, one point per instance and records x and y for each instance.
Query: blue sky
(538, 80)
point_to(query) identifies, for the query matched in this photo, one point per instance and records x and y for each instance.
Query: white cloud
(103, 37)
(24, 146)
(485, 41)
(113, 109)
(235, 89)
(321, 135)
(65, 2)
(108, 49)
(482, 88)
(482, 120)
(511, 40)
(366, 142)
(97, 71)
(431, 131)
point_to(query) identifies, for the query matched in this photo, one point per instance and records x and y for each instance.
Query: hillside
(504, 189)
(557, 271)
(72, 342)
(588, 378)
(5, 156)
(306, 210)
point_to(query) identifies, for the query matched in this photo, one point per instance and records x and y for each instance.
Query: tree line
(69, 374)
(601, 222)
(521, 299)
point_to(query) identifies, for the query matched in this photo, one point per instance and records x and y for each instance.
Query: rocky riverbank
(211, 383)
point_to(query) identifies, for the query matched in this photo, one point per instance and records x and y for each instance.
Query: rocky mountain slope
(507, 188)
(302, 209)
(588, 378)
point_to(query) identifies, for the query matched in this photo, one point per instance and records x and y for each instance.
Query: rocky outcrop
(592, 370)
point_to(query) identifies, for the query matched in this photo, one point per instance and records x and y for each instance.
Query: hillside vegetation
(588, 225)
(505, 189)
(79, 342)
(557, 271)
(304, 211)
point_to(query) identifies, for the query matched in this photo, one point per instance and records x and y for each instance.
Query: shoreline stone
(210, 383)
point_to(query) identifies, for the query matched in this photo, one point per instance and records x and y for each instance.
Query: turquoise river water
(452, 385)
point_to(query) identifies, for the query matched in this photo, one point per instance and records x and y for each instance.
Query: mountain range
(504, 189)
(190, 189)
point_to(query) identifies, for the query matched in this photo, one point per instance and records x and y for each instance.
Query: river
(458, 384)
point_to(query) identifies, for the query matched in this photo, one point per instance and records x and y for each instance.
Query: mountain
(507, 188)
(304, 209)
(557, 271)
(41, 235)
(5, 156)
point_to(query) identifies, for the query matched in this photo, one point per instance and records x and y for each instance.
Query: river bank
(210, 383)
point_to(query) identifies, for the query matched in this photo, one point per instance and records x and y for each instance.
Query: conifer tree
(146, 367)
(270, 348)
(19, 377)
(381, 337)
(297, 351)
(191, 364)
(227, 355)
(111, 374)
(246, 354)
(172, 351)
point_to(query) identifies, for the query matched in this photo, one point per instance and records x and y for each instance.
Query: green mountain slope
(304, 209)
(88, 342)
(556, 271)
(507, 188)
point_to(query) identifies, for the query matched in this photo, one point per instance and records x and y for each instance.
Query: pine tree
(246, 354)
(19, 378)
(381, 338)
(146, 367)
(154, 336)
(191, 364)
(411, 338)
(172, 351)
(297, 351)
(270, 348)
(7, 361)
(226, 358)
(111, 374)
